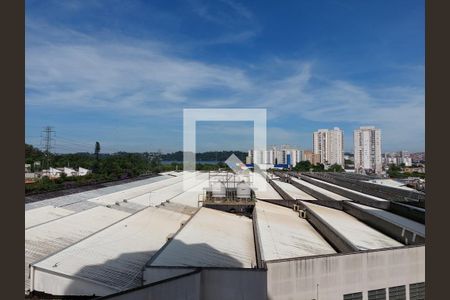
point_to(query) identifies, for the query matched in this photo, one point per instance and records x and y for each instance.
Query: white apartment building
(275, 156)
(367, 149)
(329, 144)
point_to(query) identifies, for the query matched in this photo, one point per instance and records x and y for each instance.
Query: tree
(96, 166)
(97, 150)
(303, 166)
(335, 168)
(318, 168)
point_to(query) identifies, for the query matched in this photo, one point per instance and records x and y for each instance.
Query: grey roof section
(393, 218)
(116, 256)
(283, 234)
(48, 238)
(292, 191)
(320, 190)
(212, 238)
(358, 233)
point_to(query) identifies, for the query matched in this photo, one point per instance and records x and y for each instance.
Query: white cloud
(65, 68)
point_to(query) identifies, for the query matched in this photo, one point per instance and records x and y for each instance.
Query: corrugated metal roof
(320, 190)
(263, 190)
(191, 197)
(45, 239)
(350, 190)
(283, 234)
(44, 214)
(117, 255)
(139, 192)
(358, 233)
(211, 238)
(393, 218)
(293, 191)
(67, 200)
(171, 191)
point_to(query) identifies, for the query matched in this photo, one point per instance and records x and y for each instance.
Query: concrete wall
(154, 274)
(226, 284)
(330, 277)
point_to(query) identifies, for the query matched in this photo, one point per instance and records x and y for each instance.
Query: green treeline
(219, 156)
(111, 166)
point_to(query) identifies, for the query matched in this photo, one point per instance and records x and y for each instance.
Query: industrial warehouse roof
(53, 236)
(393, 218)
(115, 256)
(44, 214)
(349, 190)
(320, 190)
(263, 190)
(67, 200)
(358, 233)
(294, 192)
(172, 191)
(391, 183)
(283, 234)
(211, 238)
(191, 196)
(141, 191)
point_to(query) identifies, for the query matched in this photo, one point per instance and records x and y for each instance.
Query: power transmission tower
(47, 137)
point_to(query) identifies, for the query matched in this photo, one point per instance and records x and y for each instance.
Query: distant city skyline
(121, 72)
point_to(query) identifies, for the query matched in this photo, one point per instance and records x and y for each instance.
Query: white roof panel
(294, 192)
(212, 238)
(358, 233)
(350, 190)
(320, 190)
(170, 191)
(263, 190)
(395, 219)
(283, 234)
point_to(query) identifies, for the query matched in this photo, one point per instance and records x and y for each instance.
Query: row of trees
(107, 167)
(397, 172)
(218, 156)
(306, 166)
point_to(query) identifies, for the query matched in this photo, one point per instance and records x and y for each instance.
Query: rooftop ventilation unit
(302, 214)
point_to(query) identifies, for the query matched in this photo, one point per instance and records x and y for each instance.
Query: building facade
(367, 150)
(278, 155)
(329, 145)
(311, 157)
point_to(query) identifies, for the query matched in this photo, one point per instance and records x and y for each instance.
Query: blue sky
(121, 72)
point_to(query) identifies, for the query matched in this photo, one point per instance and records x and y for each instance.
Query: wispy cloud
(67, 68)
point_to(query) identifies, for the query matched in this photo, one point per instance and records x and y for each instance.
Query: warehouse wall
(186, 288)
(225, 284)
(330, 277)
(154, 274)
(207, 283)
